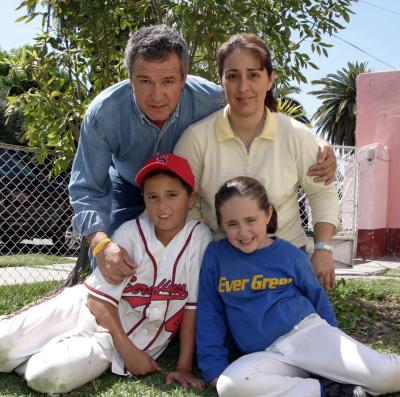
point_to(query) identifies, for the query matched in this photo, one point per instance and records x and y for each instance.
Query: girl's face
(245, 224)
(245, 84)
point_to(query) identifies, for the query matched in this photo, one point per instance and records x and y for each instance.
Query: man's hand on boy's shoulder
(115, 264)
(185, 378)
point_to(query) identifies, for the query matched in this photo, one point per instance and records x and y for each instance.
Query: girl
(250, 137)
(263, 291)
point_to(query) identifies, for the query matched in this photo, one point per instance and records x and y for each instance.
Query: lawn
(368, 310)
(32, 260)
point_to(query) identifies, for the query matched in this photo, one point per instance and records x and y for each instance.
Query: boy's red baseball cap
(167, 162)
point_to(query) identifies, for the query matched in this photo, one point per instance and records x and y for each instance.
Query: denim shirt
(116, 139)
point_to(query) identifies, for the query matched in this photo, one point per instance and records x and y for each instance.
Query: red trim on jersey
(194, 304)
(173, 323)
(139, 322)
(173, 280)
(97, 292)
(153, 261)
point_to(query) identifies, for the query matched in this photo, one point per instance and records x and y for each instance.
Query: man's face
(158, 86)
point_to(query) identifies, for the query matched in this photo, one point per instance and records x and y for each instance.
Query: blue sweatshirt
(258, 297)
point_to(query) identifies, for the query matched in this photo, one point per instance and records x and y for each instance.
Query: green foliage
(293, 108)
(348, 310)
(80, 50)
(10, 83)
(336, 117)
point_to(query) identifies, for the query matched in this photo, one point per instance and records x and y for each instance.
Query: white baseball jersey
(151, 303)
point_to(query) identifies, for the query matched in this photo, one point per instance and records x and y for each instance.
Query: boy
(73, 337)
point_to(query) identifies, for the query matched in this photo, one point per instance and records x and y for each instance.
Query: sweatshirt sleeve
(311, 288)
(211, 326)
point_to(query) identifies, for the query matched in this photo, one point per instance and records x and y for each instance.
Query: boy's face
(167, 203)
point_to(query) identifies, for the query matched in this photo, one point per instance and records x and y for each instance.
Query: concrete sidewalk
(27, 275)
(362, 269)
(374, 268)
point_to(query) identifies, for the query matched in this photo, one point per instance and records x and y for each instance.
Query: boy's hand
(115, 264)
(325, 168)
(185, 378)
(139, 362)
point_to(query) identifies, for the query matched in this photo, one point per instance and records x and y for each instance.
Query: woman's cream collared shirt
(279, 158)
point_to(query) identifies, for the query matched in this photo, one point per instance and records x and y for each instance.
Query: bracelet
(100, 245)
(323, 246)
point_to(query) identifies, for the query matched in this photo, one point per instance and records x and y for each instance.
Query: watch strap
(323, 246)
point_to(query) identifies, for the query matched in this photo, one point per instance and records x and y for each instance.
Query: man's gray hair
(157, 43)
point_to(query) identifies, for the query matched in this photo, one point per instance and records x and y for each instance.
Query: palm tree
(288, 105)
(336, 117)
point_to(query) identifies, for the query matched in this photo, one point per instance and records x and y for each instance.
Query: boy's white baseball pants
(54, 344)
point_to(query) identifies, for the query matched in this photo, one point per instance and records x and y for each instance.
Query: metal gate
(347, 175)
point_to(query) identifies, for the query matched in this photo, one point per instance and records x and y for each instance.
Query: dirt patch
(381, 324)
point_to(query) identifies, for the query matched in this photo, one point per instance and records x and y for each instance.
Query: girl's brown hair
(245, 186)
(252, 43)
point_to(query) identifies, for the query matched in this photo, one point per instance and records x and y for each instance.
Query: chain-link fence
(36, 238)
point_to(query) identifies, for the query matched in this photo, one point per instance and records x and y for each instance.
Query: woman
(250, 138)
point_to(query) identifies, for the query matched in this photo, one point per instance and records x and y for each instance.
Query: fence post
(82, 266)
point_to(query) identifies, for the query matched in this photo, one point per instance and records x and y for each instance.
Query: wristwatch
(323, 246)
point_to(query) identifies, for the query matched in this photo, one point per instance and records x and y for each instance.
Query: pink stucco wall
(378, 121)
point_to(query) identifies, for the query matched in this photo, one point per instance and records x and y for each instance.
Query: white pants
(54, 344)
(312, 347)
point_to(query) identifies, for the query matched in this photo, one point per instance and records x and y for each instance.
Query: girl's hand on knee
(185, 378)
(213, 383)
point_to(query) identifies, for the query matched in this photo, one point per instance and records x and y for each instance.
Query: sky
(374, 29)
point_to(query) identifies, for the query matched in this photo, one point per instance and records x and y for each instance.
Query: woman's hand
(213, 383)
(325, 168)
(324, 267)
(185, 378)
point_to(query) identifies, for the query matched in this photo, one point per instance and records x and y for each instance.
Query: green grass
(368, 310)
(14, 297)
(392, 273)
(32, 260)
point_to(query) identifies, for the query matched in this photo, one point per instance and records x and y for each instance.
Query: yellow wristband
(100, 245)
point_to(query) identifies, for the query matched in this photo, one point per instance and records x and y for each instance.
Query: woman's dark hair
(171, 174)
(252, 43)
(245, 186)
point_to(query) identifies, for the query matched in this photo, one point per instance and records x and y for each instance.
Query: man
(128, 123)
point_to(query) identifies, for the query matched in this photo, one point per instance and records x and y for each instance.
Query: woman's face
(245, 84)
